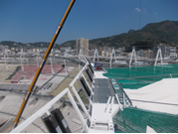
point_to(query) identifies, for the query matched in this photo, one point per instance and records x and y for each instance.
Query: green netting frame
(134, 120)
(136, 77)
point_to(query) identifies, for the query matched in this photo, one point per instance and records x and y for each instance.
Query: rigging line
(24, 92)
(155, 102)
(47, 74)
(147, 76)
(10, 114)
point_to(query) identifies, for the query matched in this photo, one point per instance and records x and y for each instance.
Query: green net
(136, 77)
(134, 120)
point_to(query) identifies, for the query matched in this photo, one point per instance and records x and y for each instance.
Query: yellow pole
(27, 96)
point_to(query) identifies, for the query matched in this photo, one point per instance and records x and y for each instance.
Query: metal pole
(21, 59)
(16, 121)
(5, 60)
(52, 70)
(37, 57)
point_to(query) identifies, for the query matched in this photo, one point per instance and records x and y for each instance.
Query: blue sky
(31, 21)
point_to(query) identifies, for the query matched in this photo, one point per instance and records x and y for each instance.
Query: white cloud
(155, 13)
(144, 10)
(139, 10)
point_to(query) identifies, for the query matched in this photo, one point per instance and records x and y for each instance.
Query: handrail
(71, 85)
(149, 76)
(45, 109)
(124, 92)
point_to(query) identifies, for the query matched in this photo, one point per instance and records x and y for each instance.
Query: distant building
(82, 44)
(173, 53)
(140, 53)
(145, 53)
(149, 54)
(167, 52)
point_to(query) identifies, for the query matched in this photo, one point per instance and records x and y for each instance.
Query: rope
(155, 102)
(148, 76)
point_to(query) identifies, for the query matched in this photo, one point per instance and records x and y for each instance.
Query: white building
(82, 44)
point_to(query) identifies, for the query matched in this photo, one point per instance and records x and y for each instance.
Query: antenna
(140, 15)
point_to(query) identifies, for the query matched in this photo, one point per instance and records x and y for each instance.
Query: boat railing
(123, 97)
(45, 110)
(71, 85)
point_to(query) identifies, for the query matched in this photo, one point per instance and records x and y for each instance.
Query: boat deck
(103, 89)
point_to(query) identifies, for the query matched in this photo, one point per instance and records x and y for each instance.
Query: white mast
(65, 63)
(79, 57)
(37, 57)
(21, 59)
(5, 56)
(159, 53)
(113, 55)
(52, 70)
(133, 55)
(95, 55)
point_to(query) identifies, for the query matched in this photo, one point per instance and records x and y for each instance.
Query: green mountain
(165, 32)
(152, 34)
